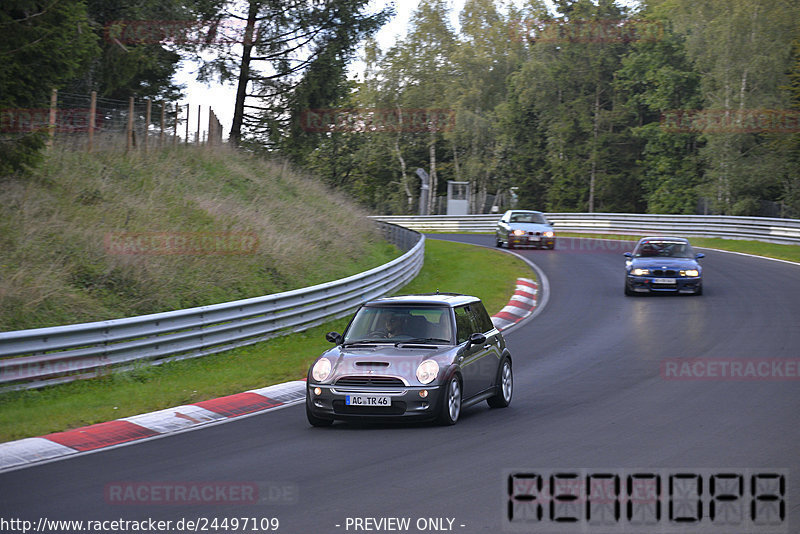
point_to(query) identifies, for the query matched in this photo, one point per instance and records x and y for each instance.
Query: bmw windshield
(664, 249)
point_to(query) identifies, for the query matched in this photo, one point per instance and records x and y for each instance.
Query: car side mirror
(334, 337)
(699, 255)
(476, 339)
(628, 255)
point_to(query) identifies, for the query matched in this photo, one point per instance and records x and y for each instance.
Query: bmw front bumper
(647, 284)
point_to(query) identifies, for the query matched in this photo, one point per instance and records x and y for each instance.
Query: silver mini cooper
(411, 357)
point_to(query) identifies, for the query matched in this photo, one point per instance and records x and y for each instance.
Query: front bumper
(531, 241)
(406, 402)
(646, 284)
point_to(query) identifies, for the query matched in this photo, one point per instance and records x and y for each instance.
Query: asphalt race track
(591, 392)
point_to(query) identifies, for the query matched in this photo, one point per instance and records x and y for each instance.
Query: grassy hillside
(65, 231)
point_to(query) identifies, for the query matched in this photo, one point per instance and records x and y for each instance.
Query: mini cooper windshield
(400, 324)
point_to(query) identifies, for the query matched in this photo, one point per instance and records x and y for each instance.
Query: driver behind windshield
(395, 325)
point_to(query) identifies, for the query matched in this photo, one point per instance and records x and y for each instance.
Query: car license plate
(533, 238)
(663, 280)
(367, 400)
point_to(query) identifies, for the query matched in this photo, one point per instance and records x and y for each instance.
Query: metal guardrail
(47, 356)
(782, 231)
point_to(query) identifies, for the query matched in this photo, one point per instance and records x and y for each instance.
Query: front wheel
(505, 387)
(451, 403)
(317, 421)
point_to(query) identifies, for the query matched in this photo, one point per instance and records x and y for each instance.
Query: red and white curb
(181, 418)
(16, 454)
(521, 305)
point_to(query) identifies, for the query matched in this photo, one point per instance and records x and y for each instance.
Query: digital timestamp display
(610, 501)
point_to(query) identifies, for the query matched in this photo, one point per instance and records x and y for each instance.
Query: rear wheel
(505, 387)
(451, 403)
(317, 421)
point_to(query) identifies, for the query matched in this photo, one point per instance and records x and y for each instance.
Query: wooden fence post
(51, 126)
(161, 134)
(92, 114)
(129, 140)
(146, 124)
(175, 126)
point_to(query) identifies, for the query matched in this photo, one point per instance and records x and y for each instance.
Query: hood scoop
(372, 364)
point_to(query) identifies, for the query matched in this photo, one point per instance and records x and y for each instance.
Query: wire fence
(90, 122)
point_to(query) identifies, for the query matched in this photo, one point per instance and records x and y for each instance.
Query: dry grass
(55, 267)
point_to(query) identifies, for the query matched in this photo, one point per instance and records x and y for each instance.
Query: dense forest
(661, 106)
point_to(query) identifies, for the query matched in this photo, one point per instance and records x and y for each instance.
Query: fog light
(423, 393)
(317, 391)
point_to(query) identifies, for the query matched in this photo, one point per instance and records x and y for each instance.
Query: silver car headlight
(321, 369)
(549, 233)
(518, 232)
(692, 272)
(640, 272)
(427, 371)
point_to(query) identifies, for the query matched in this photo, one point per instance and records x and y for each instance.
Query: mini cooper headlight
(518, 232)
(640, 272)
(321, 369)
(692, 272)
(427, 371)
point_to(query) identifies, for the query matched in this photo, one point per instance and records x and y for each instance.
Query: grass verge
(89, 237)
(448, 267)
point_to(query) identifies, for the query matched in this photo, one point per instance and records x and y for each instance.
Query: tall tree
(293, 57)
(656, 79)
(742, 49)
(570, 86)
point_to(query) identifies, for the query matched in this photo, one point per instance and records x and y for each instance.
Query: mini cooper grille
(661, 272)
(369, 381)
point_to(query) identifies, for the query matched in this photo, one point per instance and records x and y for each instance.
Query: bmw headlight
(321, 369)
(640, 272)
(549, 233)
(692, 272)
(518, 232)
(427, 371)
